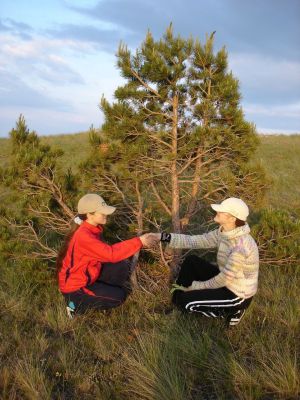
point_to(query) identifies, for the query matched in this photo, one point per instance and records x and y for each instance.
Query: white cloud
(270, 131)
(56, 121)
(266, 75)
(41, 58)
(71, 75)
(284, 110)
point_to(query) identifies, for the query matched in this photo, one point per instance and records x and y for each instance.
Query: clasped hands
(150, 239)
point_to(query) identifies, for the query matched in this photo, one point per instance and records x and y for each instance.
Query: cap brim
(217, 207)
(107, 210)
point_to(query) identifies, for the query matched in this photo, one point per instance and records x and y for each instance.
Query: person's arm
(93, 247)
(206, 241)
(234, 264)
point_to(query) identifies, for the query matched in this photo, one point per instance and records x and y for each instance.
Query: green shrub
(277, 233)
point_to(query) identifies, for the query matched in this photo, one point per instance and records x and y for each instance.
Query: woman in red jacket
(92, 273)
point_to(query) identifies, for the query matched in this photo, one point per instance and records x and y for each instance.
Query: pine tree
(44, 194)
(277, 233)
(177, 126)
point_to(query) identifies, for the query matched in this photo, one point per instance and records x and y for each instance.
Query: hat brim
(217, 207)
(107, 210)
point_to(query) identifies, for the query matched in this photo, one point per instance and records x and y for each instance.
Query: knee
(178, 298)
(189, 260)
(120, 297)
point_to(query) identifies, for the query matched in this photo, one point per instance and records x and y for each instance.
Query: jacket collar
(241, 230)
(92, 228)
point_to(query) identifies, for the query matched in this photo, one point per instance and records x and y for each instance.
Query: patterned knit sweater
(237, 258)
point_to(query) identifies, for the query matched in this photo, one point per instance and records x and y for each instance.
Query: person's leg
(98, 296)
(195, 268)
(214, 303)
(233, 318)
(116, 274)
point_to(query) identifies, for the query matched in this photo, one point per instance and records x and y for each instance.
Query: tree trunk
(139, 217)
(194, 195)
(175, 190)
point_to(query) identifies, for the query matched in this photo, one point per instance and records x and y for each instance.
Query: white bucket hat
(233, 206)
(92, 203)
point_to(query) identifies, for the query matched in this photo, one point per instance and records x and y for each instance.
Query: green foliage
(177, 129)
(277, 233)
(29, 157)
(44, 194)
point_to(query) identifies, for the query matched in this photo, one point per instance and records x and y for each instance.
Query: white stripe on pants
(193, 305)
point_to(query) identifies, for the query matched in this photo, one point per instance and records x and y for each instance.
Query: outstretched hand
(150, 239)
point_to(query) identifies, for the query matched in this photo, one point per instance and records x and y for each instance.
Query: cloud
(15, 92)
(44, 121)
(40, 58)
(17, 28)
(270, 131)
(274, 118)
(74, 60)
(284, 110)
(241, 25)
(266, 79)
(123, 14)
(99, 38)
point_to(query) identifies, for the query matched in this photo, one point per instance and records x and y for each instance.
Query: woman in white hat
(225, 290)
(91, 273)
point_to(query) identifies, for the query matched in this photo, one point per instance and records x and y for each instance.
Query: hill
(279, 154)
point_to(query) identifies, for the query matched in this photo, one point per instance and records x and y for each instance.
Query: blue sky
(57, 57)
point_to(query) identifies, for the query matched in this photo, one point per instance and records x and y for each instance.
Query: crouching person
(91, 273)
(225, 290)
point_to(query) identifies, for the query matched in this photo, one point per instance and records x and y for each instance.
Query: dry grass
(140, 352)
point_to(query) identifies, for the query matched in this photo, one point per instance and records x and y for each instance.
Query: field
(142, 351)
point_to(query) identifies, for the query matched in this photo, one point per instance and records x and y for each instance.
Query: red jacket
(82, 263)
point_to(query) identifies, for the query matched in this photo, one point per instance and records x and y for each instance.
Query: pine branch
(135, 74)
(157, 139)
(29, 235)
(50, 187)
(160, 200)
(50, 220)
(156, 112)
(57, 194)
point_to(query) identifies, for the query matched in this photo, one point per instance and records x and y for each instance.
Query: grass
(138, 351)
(280, 156)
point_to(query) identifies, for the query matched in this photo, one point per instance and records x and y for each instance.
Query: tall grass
(279, 155)
(140, 351)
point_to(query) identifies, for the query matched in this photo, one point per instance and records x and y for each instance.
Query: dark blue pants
(109, 291)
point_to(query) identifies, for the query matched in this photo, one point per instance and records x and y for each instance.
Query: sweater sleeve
(234, 264)
(206, 241)
(93, 247)
(217, 281)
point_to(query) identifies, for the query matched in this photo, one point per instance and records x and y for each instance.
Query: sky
(57, 57)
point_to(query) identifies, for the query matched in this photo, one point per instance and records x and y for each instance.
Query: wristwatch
(165, 237)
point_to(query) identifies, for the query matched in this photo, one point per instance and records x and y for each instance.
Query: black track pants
(109, 291)
(220, 302)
